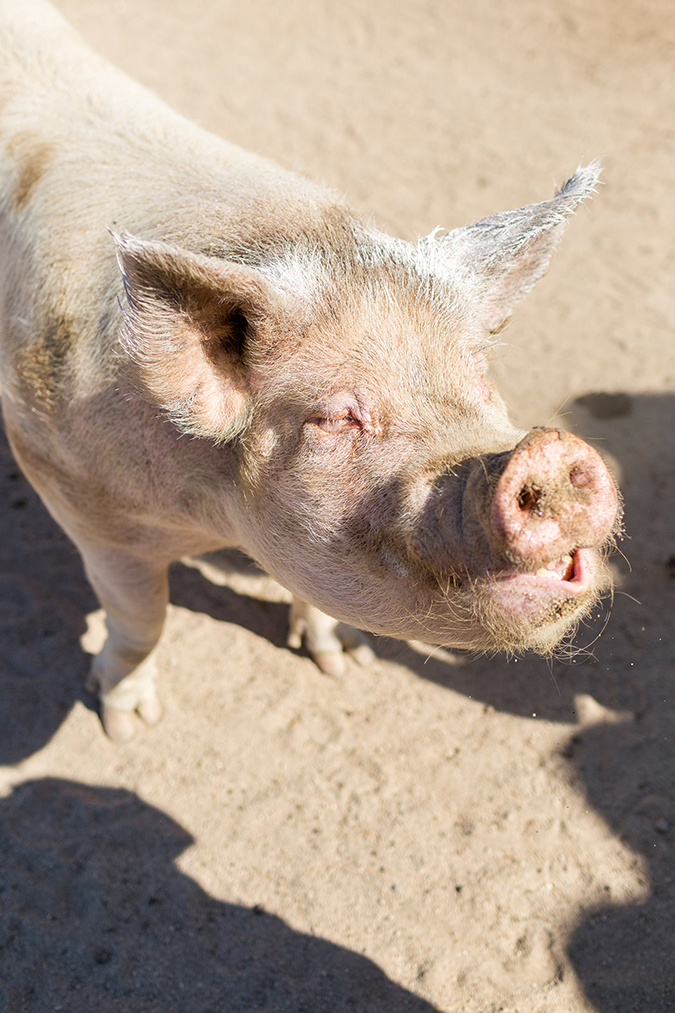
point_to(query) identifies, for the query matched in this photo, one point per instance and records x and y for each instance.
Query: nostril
(528, 498)
(579, 477)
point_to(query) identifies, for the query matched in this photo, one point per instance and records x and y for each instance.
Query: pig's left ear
(498, 260)
(190, 324)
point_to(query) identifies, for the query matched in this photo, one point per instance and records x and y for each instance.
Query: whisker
(623, 555)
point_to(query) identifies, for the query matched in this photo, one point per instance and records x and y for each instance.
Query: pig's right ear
(189, 324)
(498, 260)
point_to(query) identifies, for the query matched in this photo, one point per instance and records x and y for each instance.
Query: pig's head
(377, 473)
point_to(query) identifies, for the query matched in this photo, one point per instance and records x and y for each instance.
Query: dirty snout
(518, 534)
(553, 497)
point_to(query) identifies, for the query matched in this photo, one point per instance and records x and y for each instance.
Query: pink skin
(555, 491)
(554, 500)
(530, 594)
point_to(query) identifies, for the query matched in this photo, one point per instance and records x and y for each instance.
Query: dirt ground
(423, 835)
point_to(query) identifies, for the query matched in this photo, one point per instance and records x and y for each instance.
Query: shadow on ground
(95, 916)
(44, 598)
(624, 954)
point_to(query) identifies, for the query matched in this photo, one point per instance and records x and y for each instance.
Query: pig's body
(277, 376)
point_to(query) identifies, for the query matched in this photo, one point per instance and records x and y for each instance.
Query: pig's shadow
(95, 915)
(44, 598)
(191, 590)
(624, 954)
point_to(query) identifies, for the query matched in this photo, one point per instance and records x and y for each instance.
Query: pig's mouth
(572, 574)
(561, 569)
(515, 609)
(569, 578)
(557, 593)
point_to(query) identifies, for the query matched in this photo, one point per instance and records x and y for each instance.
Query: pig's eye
(337, 422)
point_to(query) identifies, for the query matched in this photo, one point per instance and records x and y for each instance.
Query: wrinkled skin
(199, 349)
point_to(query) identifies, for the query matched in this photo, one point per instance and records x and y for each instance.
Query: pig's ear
(189, 325)
(499, 259)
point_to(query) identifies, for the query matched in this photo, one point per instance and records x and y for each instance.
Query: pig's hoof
(362, 654)
(150, 710)
(356, 644)
(120, 726)
(294, 640)
(330, 662)
(326, 639)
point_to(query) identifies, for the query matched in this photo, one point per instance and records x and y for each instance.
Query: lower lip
(529, 583)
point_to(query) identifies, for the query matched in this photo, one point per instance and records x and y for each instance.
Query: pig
(200, 349)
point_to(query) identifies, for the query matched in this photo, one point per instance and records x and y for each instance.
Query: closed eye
(337, 422)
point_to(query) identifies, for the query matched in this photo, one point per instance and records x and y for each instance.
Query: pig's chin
(535, 610)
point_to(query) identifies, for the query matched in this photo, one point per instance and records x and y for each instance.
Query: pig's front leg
(134, 594)
(326, 639)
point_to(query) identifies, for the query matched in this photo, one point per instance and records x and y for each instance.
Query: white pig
(199, 349)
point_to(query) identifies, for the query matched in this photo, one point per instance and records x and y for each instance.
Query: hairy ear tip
(583, 183)
(127, 248)
(120, 237)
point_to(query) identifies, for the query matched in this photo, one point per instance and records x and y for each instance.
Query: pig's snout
(555, 495)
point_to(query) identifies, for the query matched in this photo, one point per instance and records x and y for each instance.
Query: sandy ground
(421, 835)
